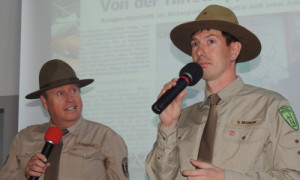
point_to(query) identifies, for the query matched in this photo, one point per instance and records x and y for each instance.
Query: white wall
(10, 28)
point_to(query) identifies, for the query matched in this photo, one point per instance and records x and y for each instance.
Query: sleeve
(162, 162)
(11, 169)
(117, 157)
(285, 152)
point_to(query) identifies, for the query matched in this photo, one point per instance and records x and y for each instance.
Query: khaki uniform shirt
(253, 140)
(90, 151)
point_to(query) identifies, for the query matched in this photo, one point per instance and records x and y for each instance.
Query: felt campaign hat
(55, 73)
(222, 19)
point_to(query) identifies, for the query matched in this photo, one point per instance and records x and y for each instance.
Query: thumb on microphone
(168, 86)
(36, 165)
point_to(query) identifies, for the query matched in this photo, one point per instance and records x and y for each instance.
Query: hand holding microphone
(189, 75)
(37, 164)
(168, 104)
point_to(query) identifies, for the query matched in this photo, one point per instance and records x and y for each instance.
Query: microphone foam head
(193, 71)
(53, 134)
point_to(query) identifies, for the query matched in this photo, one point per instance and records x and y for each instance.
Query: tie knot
(214, 99)
(64, 131)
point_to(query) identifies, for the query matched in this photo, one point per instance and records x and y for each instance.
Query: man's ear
(44, 102)
(235, 50)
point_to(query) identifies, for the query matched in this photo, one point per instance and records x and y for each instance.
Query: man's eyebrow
(210, 35)
(207, 36)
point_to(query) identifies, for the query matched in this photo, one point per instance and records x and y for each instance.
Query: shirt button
(164, 138)
(298, 153)
(296, 140)
(244, 137)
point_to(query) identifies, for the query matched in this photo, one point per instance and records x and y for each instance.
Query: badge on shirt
(86, 144)
(246, 122)
(288, 115)
(125, 167)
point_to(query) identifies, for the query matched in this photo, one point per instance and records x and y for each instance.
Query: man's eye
(211, 41)
(60, 93)
(194, 44)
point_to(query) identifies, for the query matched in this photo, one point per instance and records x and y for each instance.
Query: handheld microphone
(52, 137)
(189, 75)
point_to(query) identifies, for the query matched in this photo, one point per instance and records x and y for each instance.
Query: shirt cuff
(166, 138)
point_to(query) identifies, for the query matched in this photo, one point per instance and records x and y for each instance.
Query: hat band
(63, 81)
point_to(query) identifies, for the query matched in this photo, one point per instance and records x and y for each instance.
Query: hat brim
(80, 83)
(181, 36)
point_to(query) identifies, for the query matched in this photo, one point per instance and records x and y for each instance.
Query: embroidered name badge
(246, 122)
(86, 144)
(288, 115)
(125, 167)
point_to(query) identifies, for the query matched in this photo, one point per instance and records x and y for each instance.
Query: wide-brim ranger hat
(218, 18)
(55, 73)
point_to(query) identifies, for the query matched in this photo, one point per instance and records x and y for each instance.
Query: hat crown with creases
(54, 71)
(218, 18)
(215, 12)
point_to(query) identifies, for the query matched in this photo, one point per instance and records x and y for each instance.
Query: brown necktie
(208, 137)
(54, 158)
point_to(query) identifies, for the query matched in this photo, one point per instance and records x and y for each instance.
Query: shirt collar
(229, 91)
(74, 129)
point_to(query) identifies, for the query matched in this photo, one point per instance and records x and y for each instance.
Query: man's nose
(69, 97)
(200, 51)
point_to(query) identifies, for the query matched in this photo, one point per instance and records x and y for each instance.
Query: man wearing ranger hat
(90, 150)
(239, 131)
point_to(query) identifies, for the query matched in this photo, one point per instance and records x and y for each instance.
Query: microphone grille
(193, 71)
(53, 134)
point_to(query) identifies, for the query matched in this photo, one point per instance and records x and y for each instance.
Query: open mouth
(71, 108)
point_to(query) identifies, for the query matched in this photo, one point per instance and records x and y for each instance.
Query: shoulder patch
(288, 115)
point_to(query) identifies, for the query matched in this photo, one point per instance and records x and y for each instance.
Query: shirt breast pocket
(26, 153)
(242, 147)
(85, 161)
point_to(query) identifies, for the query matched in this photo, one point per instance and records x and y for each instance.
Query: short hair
(229, 38)
(45, 94)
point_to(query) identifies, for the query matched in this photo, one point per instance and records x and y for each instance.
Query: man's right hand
(169, 117)
(36, 165)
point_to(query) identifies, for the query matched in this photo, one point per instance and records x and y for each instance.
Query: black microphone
(189, 75)
(52, 137)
